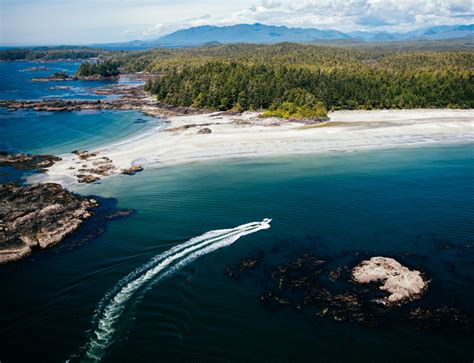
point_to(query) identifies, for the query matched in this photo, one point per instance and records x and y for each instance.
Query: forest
(49, 54)
(105, 69)
(292, 80)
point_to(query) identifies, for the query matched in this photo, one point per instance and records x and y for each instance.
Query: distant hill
(245, 33)
(269, 34)
(434, 33)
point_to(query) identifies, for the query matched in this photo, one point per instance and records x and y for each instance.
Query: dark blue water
(394, 203)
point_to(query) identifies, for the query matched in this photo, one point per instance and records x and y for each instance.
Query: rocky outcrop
(64, 77)
(94, 166)
(38, 216)
(87, 178)
(28, 162)
(400, 282)
(128, 98)
(205, 130)
(186, 127)
(84, 154)
(132, 170)
(247, 264)
(35, 69)
(320, 290)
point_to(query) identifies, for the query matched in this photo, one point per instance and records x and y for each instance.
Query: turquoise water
(381, 202)
(61, 132)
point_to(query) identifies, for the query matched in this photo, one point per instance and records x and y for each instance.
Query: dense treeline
(296, 80)
(106, 68)
(48, 54)
(309, 56)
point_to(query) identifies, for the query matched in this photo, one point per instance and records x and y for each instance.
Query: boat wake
(163, 265)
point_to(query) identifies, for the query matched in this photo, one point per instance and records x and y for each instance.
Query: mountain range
(268, 34)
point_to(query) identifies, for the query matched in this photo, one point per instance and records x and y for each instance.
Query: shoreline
(122, 97)
(220, 136)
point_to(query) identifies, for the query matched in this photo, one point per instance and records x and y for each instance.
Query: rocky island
(400, 282)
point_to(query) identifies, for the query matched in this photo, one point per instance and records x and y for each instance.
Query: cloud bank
(344, 15)
(95, 21)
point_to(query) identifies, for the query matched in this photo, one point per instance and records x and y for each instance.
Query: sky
(53, 22)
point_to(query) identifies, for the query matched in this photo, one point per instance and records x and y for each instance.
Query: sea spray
(165, 264)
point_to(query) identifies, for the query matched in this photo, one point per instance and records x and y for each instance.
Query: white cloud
(93, 21)
(354, 14)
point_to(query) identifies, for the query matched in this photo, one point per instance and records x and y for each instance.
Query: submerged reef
(353, 287)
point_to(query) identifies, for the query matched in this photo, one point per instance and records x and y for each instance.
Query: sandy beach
(195, 138)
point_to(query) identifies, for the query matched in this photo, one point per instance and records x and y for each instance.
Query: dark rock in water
(441, 319)
(38, 216)
(272, 299)
(205, 130)
(94, 167)
(132, 170)
(298, 274)
(35, 69)
(87, 178)
(119, 214)
(127, 98)
(249, 263)
(328, 290)
(28, 162)
(335, 274)
(400, 282)
(84, 154)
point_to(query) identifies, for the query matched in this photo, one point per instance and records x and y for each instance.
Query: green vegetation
(60, 75)
(104, 69)
(49, 54)
(297, 80)
(292, 80)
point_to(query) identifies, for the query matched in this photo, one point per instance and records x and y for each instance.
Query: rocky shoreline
(128, 98)
(61, 78)
(38, 216)
(28, 162)
(43, 215)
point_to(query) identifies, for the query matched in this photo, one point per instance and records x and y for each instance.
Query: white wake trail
(113, 304)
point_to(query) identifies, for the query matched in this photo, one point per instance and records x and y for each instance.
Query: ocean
(83, 301)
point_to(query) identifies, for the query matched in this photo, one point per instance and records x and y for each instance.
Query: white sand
(247, 136)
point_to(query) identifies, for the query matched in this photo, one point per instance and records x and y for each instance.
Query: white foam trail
(113, 304)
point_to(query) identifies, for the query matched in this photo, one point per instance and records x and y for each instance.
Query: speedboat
(267, 220)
